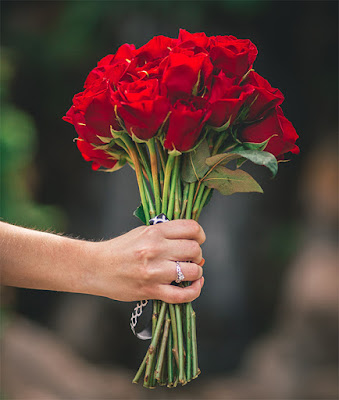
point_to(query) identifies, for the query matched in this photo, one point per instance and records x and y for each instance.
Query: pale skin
(135, 266)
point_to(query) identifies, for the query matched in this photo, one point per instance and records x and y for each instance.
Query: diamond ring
(180, 275)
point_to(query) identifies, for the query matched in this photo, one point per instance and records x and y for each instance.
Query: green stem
(198, 200)
(161, 179)
(150, 201)
(184, 200)
(188, 342)
(173, 188)
(190, 200)
(134, 156)
(164, 373)
(203, 201)
(175, 332)
(170, 357)
(154, 344)
(195, 369)
(219, 142)
(145, 163)
(141, 369)
(177, 199)
(182, 379)
(154, 315)
(162, 155)
(168, 172)
(154, 168)
(160, 362)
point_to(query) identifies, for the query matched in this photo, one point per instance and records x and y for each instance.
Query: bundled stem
(154, 343)
(167, 180)
(172, 355)
(190, 200)
(134, 157)
(155, 179)
(174, 179)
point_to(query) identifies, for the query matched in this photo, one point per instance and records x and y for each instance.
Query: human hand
(141, 263)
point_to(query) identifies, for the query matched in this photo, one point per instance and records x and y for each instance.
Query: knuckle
(193, 226)
(143, 253)
(196, 271)
(203, 236)
(195, 249)
(151, 232)
(195, 292)
(148, 274)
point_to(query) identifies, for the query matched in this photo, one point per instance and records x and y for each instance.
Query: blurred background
(268, 314)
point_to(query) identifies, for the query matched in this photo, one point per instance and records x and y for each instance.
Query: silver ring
(180, 275)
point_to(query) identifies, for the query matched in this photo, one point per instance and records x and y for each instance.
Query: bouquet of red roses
(185, 114)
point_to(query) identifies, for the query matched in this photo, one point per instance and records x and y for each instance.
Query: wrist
(96, 268)
(86, 266)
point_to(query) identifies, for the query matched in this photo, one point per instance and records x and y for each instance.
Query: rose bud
(186, 121)
(226, 100)
(92, 114)
(141, 107)
(157, 48)
(197, 42)
(99, 158)
(184, 74)
(264, 97)
(233, 56)
(275, 123)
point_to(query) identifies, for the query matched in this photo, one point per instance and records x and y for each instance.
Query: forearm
(138, 265)
(40, 260)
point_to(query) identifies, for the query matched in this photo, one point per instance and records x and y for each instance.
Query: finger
(191, 272)
(176, 294)
(182, 229)
(202, 281)
(183, 250)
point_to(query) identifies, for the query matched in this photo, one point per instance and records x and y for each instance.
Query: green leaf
(261, 158)
(139, 213)
(224, 127)
(223, 158)
(241, 161)
(194, 167)
(105, 139)
(227, 181)
(257, 157)
(253, 146)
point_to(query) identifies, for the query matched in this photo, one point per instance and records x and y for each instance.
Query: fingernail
(202, 281)
(202, 262)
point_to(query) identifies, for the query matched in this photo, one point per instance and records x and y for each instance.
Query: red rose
(98, 157)
(124, 52)
(158, 47)
(113, 67)
(197, 42)
(92, 114)
(275, 123)
(233, 56)
(226, 100)
(264, 96)
(151, 70)
(141, 107)
(186, 121)
(112, 74)
(183, 72)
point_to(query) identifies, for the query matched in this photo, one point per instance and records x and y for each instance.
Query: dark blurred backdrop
(259, 248)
